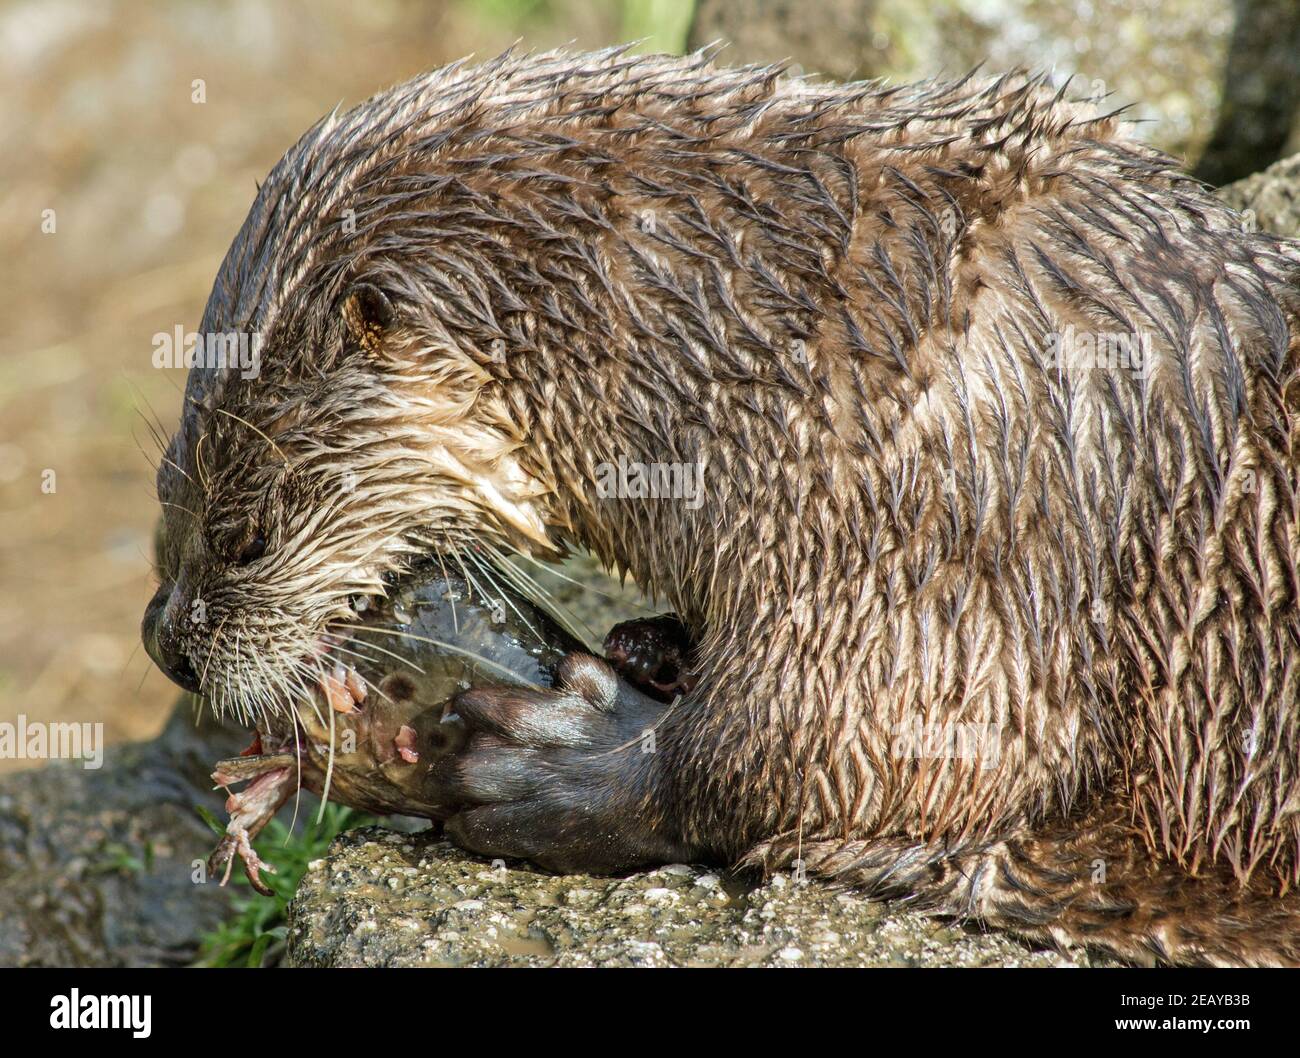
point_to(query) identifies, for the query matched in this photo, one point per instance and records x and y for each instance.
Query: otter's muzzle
(162, 640)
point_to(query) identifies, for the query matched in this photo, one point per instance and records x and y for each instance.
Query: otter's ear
(368, 314)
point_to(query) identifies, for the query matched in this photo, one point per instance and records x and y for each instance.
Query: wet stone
(385, 899)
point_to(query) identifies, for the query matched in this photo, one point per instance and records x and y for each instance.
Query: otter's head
(365, 430)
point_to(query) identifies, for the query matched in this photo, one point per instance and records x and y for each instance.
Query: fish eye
(253, 550)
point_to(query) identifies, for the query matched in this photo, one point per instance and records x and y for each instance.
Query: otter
(987, 610)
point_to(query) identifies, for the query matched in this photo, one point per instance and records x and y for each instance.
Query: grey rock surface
(1272, 197)
(386, 899)
(96, 865)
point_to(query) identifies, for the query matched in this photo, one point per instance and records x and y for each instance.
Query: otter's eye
(253, 550)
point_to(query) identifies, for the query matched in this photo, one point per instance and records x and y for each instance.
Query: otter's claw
(654, 654)
(562, 776)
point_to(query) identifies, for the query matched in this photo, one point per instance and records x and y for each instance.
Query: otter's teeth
(405, 744)
(334, 687)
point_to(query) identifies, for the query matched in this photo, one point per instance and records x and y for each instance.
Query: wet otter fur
(479, 288)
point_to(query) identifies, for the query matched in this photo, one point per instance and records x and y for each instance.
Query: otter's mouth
(342, 687)
(278, 764)
(373, 712)
(305, 746)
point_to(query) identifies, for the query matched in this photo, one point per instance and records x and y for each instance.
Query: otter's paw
(654, 654)
(562, 776)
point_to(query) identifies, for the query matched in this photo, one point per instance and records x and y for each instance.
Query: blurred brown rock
(834, 37)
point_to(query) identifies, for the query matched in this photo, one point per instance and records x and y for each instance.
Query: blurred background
(131, 135)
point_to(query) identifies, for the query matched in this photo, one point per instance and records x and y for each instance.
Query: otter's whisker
(129, 658)
(297, 759)
(555, 571)
(155, 425)
(329, 767)
(153, 465)
(279, 451)
(303, 676)
(538, 594)
(455, 623)
(279, 679)
(178, 507)
(396, 657)
(211, 647)
(198, 461)
(460, 561)
(510, 674)
(177, 467)
(486, 569)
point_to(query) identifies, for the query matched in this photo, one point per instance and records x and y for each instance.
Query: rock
(96, 865)
(841, 42)
(386, 899)
(1271, 199)
(1166, 58)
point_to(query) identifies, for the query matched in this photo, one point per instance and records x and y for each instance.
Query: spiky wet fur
(839, 299)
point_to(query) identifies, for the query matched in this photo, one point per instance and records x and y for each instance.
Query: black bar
(1031, 1010)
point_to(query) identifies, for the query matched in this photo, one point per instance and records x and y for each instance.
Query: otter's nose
(162, 641)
